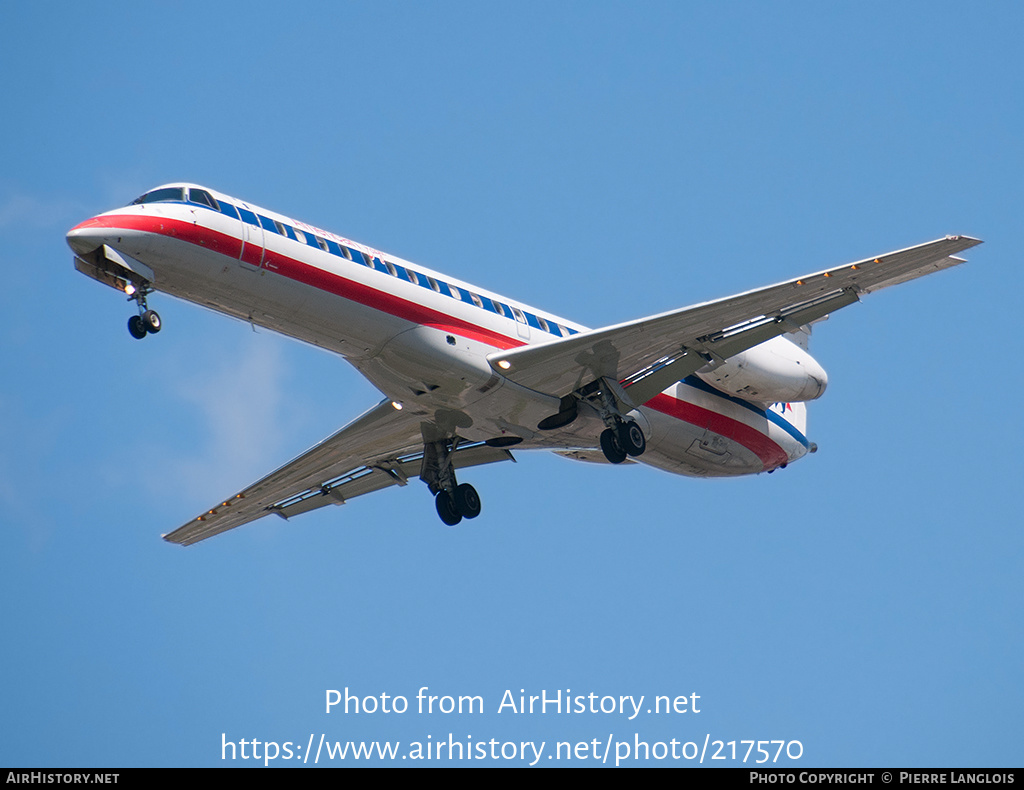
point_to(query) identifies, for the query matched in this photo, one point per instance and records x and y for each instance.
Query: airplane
(711, 390)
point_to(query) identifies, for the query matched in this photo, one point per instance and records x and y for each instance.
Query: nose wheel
(147, 322)
(136, 328)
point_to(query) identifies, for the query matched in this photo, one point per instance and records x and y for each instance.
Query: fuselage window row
(201, 197)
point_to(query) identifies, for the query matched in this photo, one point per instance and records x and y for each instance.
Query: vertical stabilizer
(793, 413)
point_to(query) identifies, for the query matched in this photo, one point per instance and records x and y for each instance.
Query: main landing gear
(147, 322)
(624, 439)
(462, 503)
(453, 501)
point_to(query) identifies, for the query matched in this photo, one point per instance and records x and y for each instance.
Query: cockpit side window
(202, 197)
(165, 195)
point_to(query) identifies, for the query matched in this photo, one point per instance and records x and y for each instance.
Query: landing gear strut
(147, 322)
(453, 501)
(622, 437)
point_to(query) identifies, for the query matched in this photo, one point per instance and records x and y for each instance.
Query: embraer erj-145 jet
(716, 389)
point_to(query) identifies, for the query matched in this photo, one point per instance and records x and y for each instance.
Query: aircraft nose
(86, 237)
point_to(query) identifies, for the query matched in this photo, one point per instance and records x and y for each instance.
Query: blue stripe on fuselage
(768, 414)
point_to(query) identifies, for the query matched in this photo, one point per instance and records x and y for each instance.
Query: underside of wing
(649, 354)
(383, 447)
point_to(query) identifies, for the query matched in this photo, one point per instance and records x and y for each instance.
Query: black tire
(151, 320)
(631, 438)
(611, 448)
(136, 327)
(446, 509)
(467, 501)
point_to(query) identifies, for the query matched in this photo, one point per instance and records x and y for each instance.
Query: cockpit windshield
(167, 194)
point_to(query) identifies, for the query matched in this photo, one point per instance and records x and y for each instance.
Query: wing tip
(969, 241)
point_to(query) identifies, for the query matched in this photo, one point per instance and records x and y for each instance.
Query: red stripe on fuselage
(300, 271)
(768, 451)
(216, 241)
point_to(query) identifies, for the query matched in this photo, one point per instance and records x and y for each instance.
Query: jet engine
(777, 371)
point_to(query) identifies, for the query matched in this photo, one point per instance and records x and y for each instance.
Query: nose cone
(87, 236)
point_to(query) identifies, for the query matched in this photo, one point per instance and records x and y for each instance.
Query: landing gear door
(251, 257)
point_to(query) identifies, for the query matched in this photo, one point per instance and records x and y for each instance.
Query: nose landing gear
(147, 322)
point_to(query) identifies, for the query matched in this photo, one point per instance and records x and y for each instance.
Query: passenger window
(299, 235)
(543, 324)
(476, 300)
(321, 243)
(519, 315)
(433, 284)
(391, 268)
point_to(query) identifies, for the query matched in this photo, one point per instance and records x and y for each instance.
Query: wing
(383, 447)
(649, 354)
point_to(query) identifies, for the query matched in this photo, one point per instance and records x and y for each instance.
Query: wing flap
(367, 479)
(382, 448)
(624, 351)
(380, 434)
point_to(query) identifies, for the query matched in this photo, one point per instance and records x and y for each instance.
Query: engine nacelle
(777, 371)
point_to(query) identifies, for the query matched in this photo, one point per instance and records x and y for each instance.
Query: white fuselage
(423, 338)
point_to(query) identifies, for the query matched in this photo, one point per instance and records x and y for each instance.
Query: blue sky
(603, 161)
